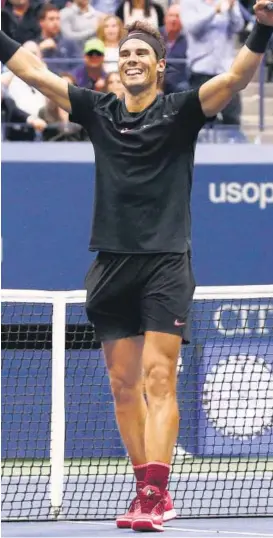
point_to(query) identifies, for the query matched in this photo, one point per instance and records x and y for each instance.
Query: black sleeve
(83, 103)
(190, 110)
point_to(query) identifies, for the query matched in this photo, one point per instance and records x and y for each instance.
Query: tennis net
(62, 455)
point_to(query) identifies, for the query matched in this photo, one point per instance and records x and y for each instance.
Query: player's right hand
(264, 12)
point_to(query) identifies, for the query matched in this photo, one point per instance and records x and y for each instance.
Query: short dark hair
(45, 10)
(146, 28)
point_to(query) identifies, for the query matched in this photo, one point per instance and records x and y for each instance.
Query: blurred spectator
(210, 27)
(222, 134)
(52, 43)
(19, 19)
(113, 85)
(59, 128)
(108, 7)
(23, 122)
(166, 3)
(110, 32)
(176, 77)
(79, 21)
(249, 21)
(26, 97)
(91, 75)
(248, 4)
(60, 4)
(138, 10)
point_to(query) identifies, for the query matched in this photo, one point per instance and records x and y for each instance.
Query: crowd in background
(79, 40)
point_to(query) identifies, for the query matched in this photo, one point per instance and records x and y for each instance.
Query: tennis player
(140, 287)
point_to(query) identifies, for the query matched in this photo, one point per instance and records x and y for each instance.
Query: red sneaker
(152, 506)
(125, 521)
(170, 512)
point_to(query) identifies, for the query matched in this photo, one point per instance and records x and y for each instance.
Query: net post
(57, 441)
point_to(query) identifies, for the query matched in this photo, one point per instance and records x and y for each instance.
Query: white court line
(98, 522)
(220, 531)
(180, 529)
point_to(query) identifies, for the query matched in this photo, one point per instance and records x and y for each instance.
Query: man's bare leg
(160, 356)
(124, 362)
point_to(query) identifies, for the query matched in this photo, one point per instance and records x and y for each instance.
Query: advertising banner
(235, 377)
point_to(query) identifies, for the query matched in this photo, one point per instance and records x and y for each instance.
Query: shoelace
(151, 502)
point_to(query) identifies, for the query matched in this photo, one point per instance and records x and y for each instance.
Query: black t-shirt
(144, 166)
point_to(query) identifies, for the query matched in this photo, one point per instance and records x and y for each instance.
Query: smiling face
(138, 66)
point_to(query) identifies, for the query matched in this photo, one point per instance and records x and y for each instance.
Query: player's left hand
(264, 12)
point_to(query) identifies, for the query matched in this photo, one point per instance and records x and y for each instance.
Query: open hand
(264, 12)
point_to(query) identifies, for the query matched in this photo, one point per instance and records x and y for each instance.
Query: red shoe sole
(147, 525)
(125, 524)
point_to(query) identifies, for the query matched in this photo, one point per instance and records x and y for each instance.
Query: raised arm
(31, 70)
(216, 93)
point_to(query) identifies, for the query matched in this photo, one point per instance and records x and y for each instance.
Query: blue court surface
(184, 528)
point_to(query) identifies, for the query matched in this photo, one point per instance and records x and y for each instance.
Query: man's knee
(160, 378)
(124, 393)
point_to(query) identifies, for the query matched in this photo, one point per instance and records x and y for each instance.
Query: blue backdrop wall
(47, 196)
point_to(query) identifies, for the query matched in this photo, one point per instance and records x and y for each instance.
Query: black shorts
(129, 294)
